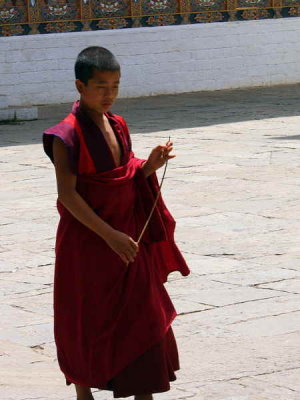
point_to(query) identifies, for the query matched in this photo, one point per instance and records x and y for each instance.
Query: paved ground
(234, 190)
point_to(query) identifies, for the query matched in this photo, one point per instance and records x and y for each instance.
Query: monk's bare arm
(70, 198)
(78, 207)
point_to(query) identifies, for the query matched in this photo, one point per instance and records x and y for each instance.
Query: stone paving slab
(234, 191)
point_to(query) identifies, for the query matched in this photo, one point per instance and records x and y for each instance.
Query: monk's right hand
(123, 245)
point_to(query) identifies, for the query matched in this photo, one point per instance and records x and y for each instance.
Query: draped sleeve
(67, 134)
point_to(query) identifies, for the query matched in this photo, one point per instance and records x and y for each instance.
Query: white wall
(38, 69)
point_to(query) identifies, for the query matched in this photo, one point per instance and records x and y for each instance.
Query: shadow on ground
(187, 110)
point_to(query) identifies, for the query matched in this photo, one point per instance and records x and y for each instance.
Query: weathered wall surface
(38, 69)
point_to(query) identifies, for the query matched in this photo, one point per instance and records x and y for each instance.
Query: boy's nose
(109, 92)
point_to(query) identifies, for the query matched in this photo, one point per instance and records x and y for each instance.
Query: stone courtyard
(234, 191)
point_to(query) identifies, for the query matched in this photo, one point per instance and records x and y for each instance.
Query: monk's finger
(167, 155)
(130, 257)
(159, 148)
(130, 253)
(167, 149)
(134, 244)
(124, 258)
(133, 252)
(168, 152)
(164, 148)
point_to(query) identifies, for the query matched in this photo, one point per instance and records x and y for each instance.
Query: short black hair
(94, 57)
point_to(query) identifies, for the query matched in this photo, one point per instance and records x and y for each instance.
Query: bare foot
(143, 397)
(83, 393)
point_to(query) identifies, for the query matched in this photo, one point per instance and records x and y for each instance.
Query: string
(155, 202)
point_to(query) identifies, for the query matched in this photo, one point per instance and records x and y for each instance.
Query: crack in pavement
(276, 290)
(32, 398)
(194, 312)
(230, 255)
(253, 285)
(218, 254)
(261, 317)
(229, 283)
(22, 308)
(255, 375)
(265, 283)
(28, 283)
(35, 324)
(38, 346)
(38, 294)
(213, 307)
(292, 269)
(37, 266)
(274, 384)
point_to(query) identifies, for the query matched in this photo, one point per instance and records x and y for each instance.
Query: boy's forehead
(105, 76)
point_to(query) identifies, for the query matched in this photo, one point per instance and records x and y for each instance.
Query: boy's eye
(104, 87)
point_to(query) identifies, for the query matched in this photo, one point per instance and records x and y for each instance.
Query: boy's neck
(97, 117)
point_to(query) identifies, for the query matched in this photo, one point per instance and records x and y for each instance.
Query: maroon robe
(112, 323)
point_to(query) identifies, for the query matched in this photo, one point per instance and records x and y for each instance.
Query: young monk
(112, 313)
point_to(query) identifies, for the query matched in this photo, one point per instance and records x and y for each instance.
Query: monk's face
(101, 90)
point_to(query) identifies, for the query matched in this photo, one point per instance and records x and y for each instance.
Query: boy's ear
(79, 85)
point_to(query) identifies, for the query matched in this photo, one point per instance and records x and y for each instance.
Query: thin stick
(155, 202)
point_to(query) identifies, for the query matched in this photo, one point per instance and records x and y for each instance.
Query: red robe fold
(107, 315)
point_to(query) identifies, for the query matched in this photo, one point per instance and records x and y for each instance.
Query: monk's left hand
(159, 155)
